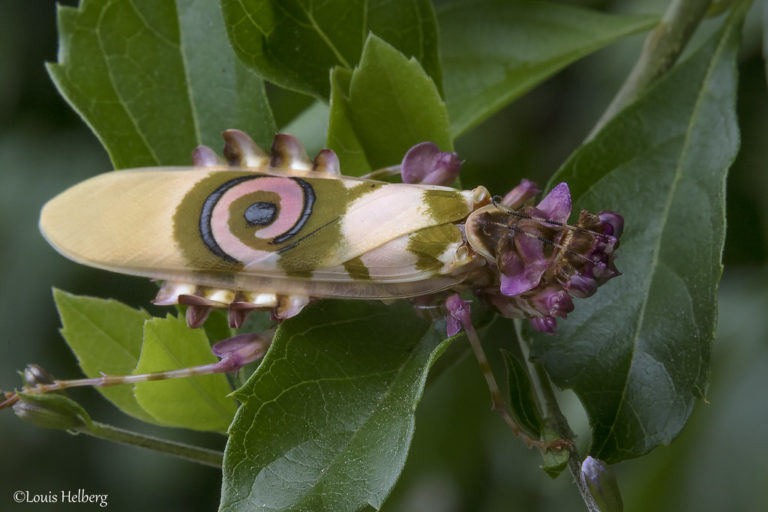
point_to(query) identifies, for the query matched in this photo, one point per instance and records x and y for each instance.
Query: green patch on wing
(430, 243)
(363, 188)
(186, 224)
(308, 249)
(357, 269)
(445, 206)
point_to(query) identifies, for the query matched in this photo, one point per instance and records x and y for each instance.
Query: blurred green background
(462, 458)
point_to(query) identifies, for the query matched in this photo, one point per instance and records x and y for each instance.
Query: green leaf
(637, 353)
(106, 337)
(328, 417)
(765, 39)
(154, 80)
(387, 105)
(341, 130)
(411, 27)
(198, 403)
(553, 462)
(521, 398)
(296, 43)
(493, 52)
(216, 327)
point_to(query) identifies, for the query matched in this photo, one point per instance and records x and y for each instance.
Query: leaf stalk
(184, 451)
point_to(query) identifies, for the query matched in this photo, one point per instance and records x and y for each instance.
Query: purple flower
(518, 196)
(458, 314)
(552, 301)
(556, 206)
(592, 265)
(241, 349)
(523, 269)
(514, 278)
(424, 163)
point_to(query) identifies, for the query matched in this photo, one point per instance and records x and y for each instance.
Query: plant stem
(184, 451)
(547, 402)
(498, 402)
(560, 423)
(662, 47)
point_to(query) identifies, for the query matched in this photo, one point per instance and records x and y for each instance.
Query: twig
(662, 47)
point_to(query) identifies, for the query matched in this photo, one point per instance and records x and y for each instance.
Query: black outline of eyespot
(206, 232)
(309, 202)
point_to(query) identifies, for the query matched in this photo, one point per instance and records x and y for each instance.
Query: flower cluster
(542, 261)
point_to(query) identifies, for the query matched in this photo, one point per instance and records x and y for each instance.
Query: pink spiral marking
(289, 212)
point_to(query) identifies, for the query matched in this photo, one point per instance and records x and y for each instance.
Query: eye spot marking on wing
(247, 218)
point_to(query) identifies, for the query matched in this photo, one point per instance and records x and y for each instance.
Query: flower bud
(581, 286)
(613, 223)
(601, 482)
(51, 411)
(34, 374)
(546, 324)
